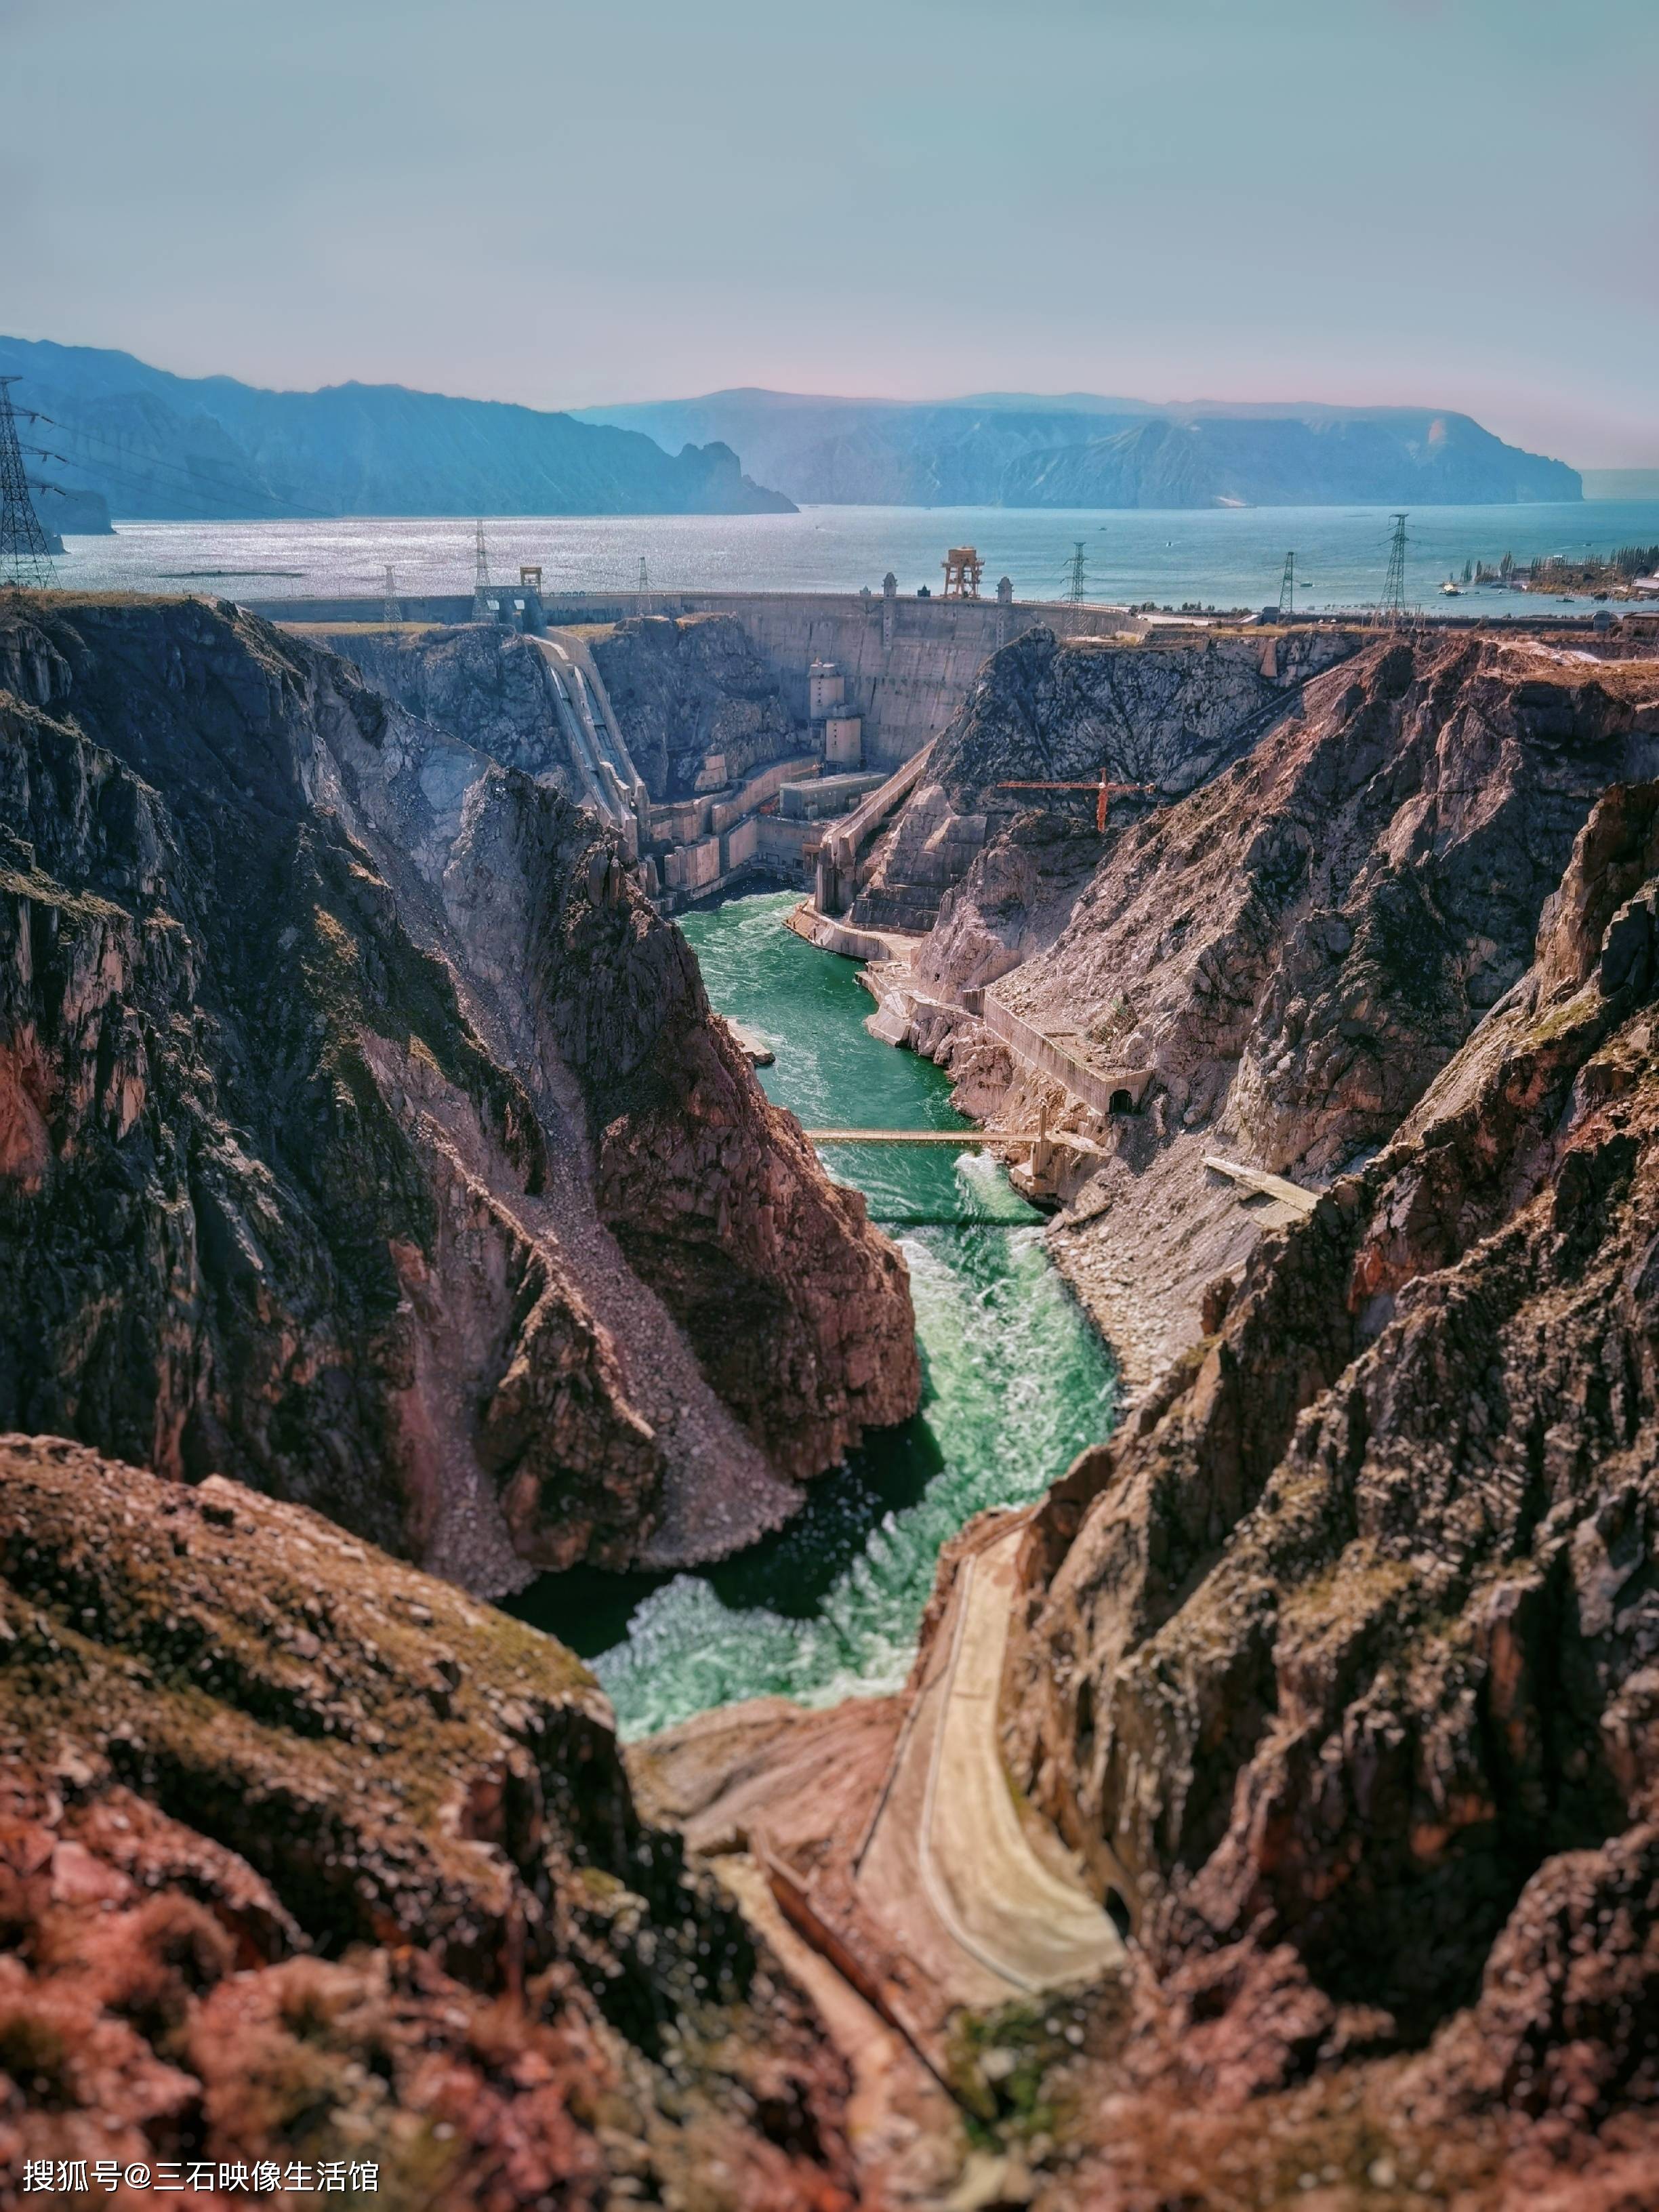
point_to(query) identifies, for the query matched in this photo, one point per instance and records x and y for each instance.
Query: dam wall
(910, 664)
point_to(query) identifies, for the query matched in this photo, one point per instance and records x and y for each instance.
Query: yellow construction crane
(1104, 792)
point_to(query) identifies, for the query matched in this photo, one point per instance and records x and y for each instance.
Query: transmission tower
(481, 580)
(1392, 608)
(1074, 590)
(645, 575)
(1287, 588)
(25, 549)
(392, 612)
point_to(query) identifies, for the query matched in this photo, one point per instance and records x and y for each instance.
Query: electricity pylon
(481, 580)
(25, 548)
(1392, 608)
(644, 584)
(1287, 588)
(392, 613)
(1074, 590)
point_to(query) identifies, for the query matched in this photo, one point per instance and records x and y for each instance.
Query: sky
(1443, 203)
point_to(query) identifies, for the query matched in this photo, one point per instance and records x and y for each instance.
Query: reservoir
(1232, 556)
(1016, 1381)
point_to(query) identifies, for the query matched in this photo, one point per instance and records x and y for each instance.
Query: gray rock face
(682, 690)
(484, 684)
(365, 1136)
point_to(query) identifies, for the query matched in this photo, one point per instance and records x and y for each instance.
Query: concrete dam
(867, 680)
(859, 687)
(908, 663)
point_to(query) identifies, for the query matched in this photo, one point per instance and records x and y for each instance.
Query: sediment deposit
(365, 1136)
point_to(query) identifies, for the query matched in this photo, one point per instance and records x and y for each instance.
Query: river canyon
(564, 1633)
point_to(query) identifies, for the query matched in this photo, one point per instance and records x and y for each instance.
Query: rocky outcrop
(307, 1859)
(1164, 714)
(1347, 1646)
(365, 1136)
(72, 511)
(483, 683)
(684, 690)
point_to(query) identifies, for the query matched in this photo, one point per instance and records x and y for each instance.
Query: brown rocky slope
(1285, 956)
(365, 1137)
(305, 1857)
(1342, 1663)
(1162, 713)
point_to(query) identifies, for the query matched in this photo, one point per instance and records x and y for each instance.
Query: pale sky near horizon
(1452, 203)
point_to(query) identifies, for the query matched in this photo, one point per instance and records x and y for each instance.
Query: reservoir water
(1227, 557)
(1017, 1382)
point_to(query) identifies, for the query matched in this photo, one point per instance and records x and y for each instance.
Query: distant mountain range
(157, 446)
(1017, 449)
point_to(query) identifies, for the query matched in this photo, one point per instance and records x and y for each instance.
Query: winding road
(1001, 1922)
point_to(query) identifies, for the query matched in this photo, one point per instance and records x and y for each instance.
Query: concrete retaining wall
(1096, 1087)
(739, 844)
(693, 868)
(785, 844)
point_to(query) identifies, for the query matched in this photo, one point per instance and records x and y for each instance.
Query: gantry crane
(1104, 792)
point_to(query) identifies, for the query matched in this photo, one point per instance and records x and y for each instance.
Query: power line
(183, 469)
(104, 470)
(25, 549)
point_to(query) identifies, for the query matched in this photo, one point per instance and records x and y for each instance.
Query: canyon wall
(1339, 1662)
(483, 683)
(909, 663)
(365, 1136)
(684, 690)
(1280, 962)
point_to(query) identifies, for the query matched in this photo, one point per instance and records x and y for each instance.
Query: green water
(1016, 1381)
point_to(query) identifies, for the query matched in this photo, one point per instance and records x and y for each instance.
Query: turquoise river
(1017, 1382)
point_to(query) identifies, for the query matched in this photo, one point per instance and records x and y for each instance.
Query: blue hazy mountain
(1018, 449)
(160, 447)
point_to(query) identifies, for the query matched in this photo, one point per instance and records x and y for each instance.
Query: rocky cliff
(682, 689)
(1340, 1663)
(308, 1861)
(479, 682)
(365, 1137)
(1284, 957)
(1165, 714)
